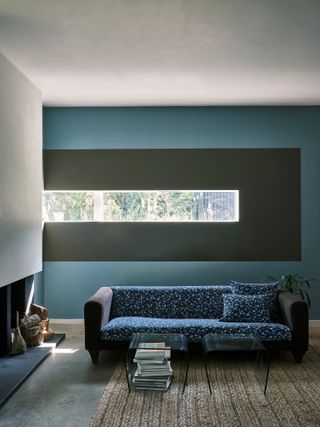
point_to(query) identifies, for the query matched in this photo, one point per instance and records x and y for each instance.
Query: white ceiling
(166, 52)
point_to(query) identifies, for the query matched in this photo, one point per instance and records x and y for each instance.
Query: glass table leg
(128, 370)
(263, 368)
(207, 373)
(186, 356)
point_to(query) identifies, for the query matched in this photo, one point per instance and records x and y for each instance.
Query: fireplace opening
(16, 369)
(16, 296)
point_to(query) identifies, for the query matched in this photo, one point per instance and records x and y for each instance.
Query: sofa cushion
(246, 308)
(261, 289)
(254, 288)
(175, 302)
(122, 328)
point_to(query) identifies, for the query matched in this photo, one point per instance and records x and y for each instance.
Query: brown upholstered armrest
(296, 315)
(96, 315)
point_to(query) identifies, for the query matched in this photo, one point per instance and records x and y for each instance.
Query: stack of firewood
(35, 326)
(42, 312)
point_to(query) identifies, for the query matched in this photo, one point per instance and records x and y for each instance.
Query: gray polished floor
(65, 390)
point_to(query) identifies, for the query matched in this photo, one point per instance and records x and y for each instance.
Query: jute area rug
(292, 399)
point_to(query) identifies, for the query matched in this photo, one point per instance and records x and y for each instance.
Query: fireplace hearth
(16, 369)
(13, 297)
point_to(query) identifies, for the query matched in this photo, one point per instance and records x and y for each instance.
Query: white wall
(20, 175)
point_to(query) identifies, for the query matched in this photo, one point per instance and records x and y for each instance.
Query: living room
(147, 81)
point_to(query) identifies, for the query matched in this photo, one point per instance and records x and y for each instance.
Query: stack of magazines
(154, 371)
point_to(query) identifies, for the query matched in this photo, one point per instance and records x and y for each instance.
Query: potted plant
(296, 284)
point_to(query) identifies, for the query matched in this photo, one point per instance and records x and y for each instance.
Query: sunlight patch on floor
(64, 350)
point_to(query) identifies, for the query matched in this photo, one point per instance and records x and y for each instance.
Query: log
(42, 312)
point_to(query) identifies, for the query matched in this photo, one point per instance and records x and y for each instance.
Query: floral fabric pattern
(191, 310)
(246, 308)
(270, 288)
(174, 302)
(122, 328)
(254, 288)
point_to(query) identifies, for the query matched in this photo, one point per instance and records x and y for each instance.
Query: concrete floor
(65, 390)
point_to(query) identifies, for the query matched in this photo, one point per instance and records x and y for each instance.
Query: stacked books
(154, 371)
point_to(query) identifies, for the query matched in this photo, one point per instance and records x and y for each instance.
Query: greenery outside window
(142, 206)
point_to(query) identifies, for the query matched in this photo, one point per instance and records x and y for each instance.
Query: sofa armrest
(96, 315)
(296, 315)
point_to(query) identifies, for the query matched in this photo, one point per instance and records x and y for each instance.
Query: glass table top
(174, 341)
(231, 342)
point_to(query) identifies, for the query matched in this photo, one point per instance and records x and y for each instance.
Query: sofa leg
(94, 355)
(298, 356)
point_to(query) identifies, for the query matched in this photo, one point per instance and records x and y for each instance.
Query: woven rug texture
(292, 399)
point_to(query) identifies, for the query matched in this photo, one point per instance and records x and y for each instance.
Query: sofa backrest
(175, 302)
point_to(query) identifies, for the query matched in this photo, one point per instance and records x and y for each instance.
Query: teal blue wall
(68, 284)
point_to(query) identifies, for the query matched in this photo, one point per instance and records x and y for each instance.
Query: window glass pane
(170, 206)
(173, 206)
(68, 206)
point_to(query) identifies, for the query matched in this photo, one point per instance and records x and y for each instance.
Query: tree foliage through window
(142, 206)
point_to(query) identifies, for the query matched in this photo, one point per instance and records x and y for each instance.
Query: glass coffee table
(176, 342)
(236, 343)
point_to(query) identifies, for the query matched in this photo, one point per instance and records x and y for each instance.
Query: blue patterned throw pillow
(270, 289)
(254, 288)
(246, 308)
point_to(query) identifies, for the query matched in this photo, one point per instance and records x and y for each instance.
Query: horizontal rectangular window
(140, 206)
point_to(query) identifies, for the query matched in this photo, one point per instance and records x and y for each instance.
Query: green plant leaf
(295, 284)
(308, 300)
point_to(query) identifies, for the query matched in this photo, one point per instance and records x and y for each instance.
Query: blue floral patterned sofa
(113, 314)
